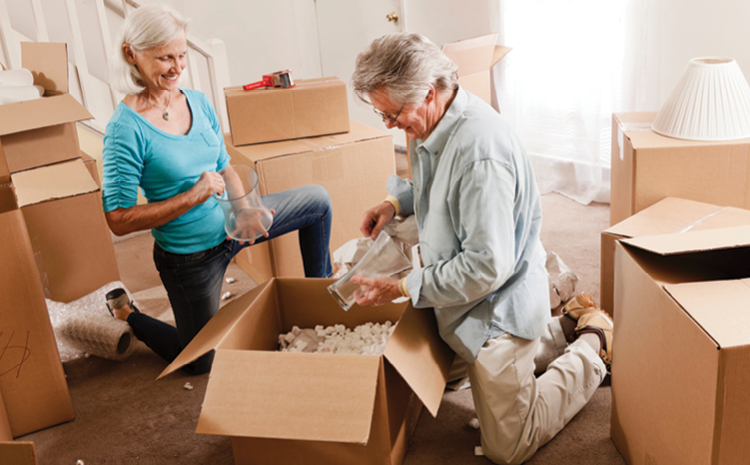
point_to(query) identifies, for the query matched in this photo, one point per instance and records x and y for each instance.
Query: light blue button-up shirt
(479, 216)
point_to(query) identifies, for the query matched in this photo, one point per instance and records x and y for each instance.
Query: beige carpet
(124, 416)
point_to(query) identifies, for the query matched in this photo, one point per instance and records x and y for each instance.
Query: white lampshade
(711, 101)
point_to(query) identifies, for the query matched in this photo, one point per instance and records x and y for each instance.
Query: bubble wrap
(85, 326)
(366, 339)
(562, 281)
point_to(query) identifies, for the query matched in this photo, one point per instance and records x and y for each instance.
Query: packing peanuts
(682, 345)
(647, 167)
(671, 215)
(353, 167)
(313, 107)
(304, 408)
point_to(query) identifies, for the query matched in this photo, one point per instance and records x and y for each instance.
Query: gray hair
(147, 27)
(405, 65)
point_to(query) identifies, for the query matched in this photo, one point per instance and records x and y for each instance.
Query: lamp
(711, 101)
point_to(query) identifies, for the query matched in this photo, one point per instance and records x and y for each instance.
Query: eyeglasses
(385, 117)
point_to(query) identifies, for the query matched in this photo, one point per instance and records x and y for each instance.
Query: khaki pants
(517, 412)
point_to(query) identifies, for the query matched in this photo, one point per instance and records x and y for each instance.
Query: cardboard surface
(5, 433)
(315, 408)
(17, 453)
(647, 167)
(671, 215)
(32, 381)
(72, 245)
(475, 57)
(353, 167)
(39, 132)
(311, 108)
(683, 352)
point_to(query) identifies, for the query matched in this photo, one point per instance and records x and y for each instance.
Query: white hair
(405, 65)
(147, 27)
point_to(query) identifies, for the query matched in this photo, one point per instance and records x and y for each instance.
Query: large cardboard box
(306, 408)
(32, 381)
(41, 132)
(353, 167)
(61, 205)
(647, 167)
(475, 58)
(313, 107)
(682, 348)
(13, 453)
(671, 215)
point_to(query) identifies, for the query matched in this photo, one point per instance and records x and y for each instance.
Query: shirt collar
(437, 140)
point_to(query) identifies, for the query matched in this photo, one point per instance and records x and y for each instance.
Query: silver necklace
(164, 112)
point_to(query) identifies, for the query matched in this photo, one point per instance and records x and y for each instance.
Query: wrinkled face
(413, 120)
(160, 67)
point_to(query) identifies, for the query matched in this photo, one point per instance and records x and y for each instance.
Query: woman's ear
(129, 53)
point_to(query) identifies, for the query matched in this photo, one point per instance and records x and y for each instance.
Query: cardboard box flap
(499, 53)
(17, 453)
(288, 395)
(420, 356)
(358, 132)
(670, 215)
(693, 241)
(719, 307)
(40, 113)
(216, 329)
(472, 55)
(53, 182)
(48, 62)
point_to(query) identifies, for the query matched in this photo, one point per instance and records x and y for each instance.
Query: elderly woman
(167, 141)
(479, 215)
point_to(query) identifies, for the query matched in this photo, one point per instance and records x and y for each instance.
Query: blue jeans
(193, 281)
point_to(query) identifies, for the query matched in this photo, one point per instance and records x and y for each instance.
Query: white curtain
(573, 64)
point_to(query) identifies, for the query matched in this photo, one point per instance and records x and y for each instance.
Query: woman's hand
(208, 184)
(376, 218)
(376, 291)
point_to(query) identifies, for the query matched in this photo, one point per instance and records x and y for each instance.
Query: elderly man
(479, 215)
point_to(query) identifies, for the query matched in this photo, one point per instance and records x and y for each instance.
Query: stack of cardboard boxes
(55, 240)
(302, 135)
(674, 272)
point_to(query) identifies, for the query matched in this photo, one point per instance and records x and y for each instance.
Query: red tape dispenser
(281, 79)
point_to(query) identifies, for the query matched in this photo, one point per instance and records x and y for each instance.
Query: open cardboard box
(682, 348)
(13, 453)
(475, 58)
(647, 167)
(61, 205)
(304, 408)
(32, 381)
(353, 167)
(313, 107)
(42, 131)
(671, 215)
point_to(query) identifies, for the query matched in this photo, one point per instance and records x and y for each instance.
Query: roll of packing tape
(16, 77)
(12, 94)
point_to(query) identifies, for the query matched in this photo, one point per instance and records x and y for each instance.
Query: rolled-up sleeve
(122, 166)
(403, 191)
(482, 205)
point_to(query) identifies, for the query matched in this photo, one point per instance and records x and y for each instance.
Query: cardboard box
(61, 205)
(313, 107)
(353, 167)
(647, 167)
(41, 132)
(475, 58)
(13, 453)
(305, 408)
(668, 216)
(682, 348)
(32, 381)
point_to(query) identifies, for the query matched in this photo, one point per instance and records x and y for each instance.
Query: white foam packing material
(85, 326)
(562, 281)
(366, 339)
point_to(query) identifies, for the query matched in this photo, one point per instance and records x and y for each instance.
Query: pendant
(165, 115)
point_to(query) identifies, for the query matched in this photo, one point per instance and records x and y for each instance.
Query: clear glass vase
(246, 218)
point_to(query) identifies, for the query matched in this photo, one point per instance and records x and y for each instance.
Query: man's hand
(376, 291)
(376, 218)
